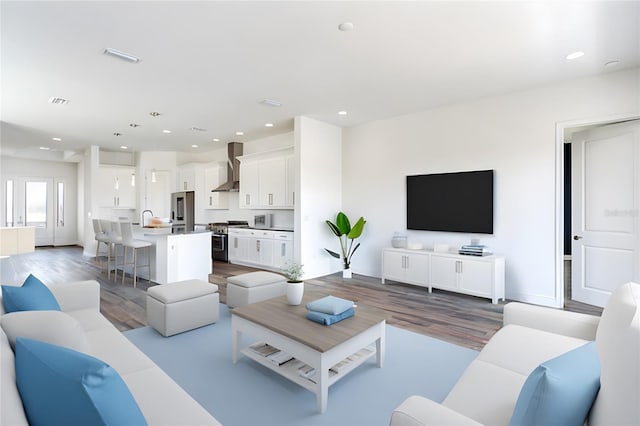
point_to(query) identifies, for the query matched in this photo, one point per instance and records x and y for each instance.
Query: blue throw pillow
(60, 386)
(330, 305)
(31, 296)
(560, 391)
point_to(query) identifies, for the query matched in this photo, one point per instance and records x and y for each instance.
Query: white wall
(59, 171)
(318, 148)
(513, 134)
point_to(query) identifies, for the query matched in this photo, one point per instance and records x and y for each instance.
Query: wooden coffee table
(331, 352)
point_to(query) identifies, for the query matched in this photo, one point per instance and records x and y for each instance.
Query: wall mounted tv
(452, 202)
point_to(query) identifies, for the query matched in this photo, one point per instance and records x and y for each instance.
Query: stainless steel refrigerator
(182, 211)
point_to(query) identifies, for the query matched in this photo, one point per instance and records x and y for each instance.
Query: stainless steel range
(220, 237)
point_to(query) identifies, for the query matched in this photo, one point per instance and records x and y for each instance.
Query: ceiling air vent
(117, 158)
(58, 101)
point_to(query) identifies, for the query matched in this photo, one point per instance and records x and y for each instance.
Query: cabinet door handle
(283, 249)
(258, 246)
(407, 263)
(235, 242)
(210, 201)
(246, 199)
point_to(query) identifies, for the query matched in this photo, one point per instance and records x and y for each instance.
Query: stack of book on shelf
(329, 310)
(475, 250)
(271, 353)
(309, 372)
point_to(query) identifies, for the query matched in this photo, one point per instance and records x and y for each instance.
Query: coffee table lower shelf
(361, 347)
(292, 369)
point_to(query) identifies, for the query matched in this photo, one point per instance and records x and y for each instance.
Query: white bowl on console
(414, 246)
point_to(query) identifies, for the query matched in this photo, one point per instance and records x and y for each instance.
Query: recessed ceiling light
(58, 101)
(612, 64)
(134, 125)
(239, 133)
(194, 146)
(117, 134)
(216, 140)
(346, 26)
(56, 139)
(342, 112)
(198, 129)
(166, 131)
(121, 55)
(268, 125)
(575, 55)
(124, 147)
(154, 114)
(271, 102)
(45, 148)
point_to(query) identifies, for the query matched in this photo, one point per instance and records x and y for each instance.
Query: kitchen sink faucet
(143, 212)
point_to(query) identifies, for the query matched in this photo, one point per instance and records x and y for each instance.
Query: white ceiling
(209, 64)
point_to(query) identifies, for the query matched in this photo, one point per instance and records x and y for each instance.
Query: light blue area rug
(248, 394)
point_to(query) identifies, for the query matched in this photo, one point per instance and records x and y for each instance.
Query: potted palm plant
(295, 286)
(347, 235)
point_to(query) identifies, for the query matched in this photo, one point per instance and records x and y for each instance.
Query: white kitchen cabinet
(481, 276)
(282, 249)
(113, 187)
(214, 176)
(249, 196)
(267, 180)
(238, 245)
(260, 248)
(291, 181)
(273, 182)
(186, 178)
(407, 266)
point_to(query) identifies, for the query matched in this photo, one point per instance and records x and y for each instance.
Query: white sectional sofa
(161, 400)
(488, 390)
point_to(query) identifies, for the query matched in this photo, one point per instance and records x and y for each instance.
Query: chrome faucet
(143, 212)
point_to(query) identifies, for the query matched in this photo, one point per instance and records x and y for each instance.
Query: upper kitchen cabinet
(115, 187)
(186, 178)
(266, 180)
(215, 174)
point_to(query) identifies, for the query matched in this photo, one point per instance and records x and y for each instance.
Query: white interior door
(605, 193)
(35, 207)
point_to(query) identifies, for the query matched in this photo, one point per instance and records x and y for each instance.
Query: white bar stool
(112, 230)
(128, 241)
(101, 237)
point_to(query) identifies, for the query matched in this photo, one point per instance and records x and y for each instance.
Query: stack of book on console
(475, 250)
(329, 310)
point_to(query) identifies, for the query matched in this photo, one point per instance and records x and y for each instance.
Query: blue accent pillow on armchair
(560, 391)
(60, 386)
(31, 296)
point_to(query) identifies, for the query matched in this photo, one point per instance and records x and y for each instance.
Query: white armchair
(487, 391)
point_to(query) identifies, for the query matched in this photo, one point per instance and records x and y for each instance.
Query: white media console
(481, 276)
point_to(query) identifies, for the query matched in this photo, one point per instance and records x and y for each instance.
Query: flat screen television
(451, 202)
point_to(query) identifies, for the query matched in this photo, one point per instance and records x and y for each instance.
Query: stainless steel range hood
(234, 150)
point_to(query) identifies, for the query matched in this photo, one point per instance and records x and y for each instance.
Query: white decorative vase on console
(346, 273)
(295, 291)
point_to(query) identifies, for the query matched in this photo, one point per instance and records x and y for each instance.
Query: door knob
(577, 237)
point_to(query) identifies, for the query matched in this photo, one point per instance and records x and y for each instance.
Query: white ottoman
(181, 306)
(254, 287)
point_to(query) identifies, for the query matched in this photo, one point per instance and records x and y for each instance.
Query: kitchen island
(178, 257)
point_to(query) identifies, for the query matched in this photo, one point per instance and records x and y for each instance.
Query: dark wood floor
(464, 320)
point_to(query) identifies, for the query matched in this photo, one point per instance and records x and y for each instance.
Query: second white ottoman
(181, 306)
(254, 287)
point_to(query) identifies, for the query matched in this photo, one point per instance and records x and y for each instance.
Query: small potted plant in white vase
(295, 285)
